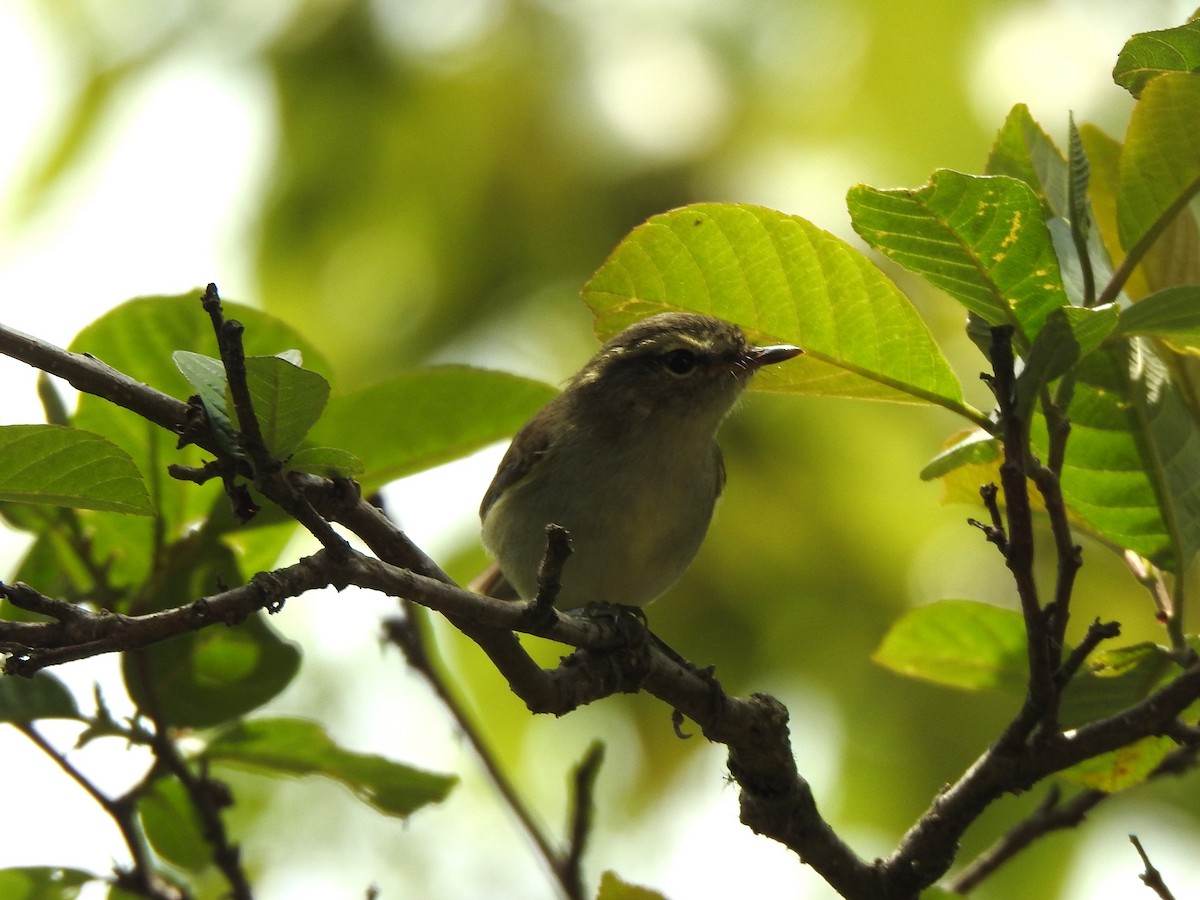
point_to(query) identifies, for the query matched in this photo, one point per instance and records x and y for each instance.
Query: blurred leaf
(1152, 53)
(300, 747)
(1161, 160)
(327, 461)
(1070, 334)
(974, 448)
(1104, 158)
(423, 418)
(779, 277)
(170, 823)
(1173, 313)
(287, 401)
(1114, 680)
(612, 887)
(210, 676)
(982, 239)
(1022, 150)
(62, 466)
(958, 643)
(43, 883)
(1121, 769)
(41, 697)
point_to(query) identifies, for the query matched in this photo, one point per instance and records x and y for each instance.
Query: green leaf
(139, 338)
(43, 883)
(208, 677)
(1024, 151)
(982, 239)
(958, 643)
(780, 278)
(1070, 334)
(1121, 769)
(1161, 160)
(300, 747)
(287, 401)
(1173, 313)
(207, 376)
(974, 448)
(327, 461)
(62, 466)
(41, 697)
(1114, 680)
(170, 823)
(1149, 54)
(424, 418)
(612, 887)
(1132, 469)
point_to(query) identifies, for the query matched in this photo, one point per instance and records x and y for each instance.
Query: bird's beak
(757, 357)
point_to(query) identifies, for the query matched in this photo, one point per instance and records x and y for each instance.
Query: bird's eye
(679, 362)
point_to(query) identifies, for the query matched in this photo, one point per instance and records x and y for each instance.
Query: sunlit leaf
(1114, 680)
(958, 643)
(1152, 53)
(1121, 769)
(300, 747)
(1024, 151)
(780, 278)
(973, 448)
(982, 239)
(62, 466)
(1173, 313)
(1161, 160)
(423, 418)
(613, 887)
(1070, 334)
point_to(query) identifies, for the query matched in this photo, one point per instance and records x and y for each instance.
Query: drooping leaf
(287, 401)
(294, 747)
(1173, 313)
(780, 278)
(973, 448)
(62, 466)
(427, 417)
(958, 643)
(1149, 54)
(982, 239)
(43, 883)
(170, 823)
(41, 697)
(1160, 164)
(207, 376)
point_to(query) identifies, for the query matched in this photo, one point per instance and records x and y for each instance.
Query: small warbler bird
(626, 460)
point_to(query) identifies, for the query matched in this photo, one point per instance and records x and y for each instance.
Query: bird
(625, 459)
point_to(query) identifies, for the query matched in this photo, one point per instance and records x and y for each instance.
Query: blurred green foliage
(445, 178)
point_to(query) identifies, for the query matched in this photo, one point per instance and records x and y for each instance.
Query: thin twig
(1152, 878)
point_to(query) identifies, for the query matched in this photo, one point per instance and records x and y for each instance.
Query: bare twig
(1152, 878)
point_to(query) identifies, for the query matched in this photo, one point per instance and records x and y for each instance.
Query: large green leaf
(41, 697)
(780, 278)
(1070, 334)
(287, 400)
(1147, 55)
(982, 239)
(62, 466)
(300, 747)
(1173, 313)
(427, 417)
(1161, 160)
(958, 643)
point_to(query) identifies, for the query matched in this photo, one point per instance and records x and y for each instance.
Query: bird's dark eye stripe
(679, 361)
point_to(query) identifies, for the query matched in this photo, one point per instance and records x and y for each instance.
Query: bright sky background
(165, 204)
